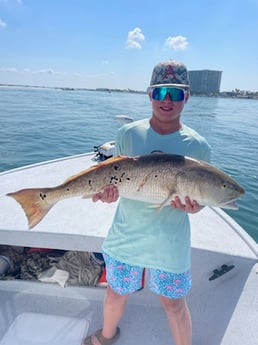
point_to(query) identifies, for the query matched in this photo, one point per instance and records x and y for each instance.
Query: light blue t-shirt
(139, 235)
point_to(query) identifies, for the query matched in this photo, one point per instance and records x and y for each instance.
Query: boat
(223, 300)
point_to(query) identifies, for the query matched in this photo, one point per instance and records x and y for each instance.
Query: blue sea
(38, 124)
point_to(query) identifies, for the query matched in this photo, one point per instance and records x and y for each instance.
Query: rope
(83, 270)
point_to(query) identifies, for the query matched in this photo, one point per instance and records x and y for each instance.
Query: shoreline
(223, 94)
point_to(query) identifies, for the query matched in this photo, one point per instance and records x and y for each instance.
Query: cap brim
(170, 85)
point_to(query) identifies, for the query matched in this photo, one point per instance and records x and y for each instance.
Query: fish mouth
(232, 205)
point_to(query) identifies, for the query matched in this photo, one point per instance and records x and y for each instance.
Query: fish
(153, 178)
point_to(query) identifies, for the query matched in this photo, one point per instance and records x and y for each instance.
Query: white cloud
(45, 71)
(2, 24)
(8, 69)
(29, 71)
(76, 74)
(176, 42)
(51, 72)
(134, 38)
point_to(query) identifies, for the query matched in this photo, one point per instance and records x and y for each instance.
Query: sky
(116, 43)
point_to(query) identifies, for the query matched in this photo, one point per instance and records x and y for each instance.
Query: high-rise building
(205, 81)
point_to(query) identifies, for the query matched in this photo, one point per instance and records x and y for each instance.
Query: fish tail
(35, 203)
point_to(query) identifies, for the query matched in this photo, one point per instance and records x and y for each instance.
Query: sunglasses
(175, 94)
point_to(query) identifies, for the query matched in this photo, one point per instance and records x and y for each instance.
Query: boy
(140, 237)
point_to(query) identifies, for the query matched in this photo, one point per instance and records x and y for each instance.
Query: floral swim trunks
(125, 279)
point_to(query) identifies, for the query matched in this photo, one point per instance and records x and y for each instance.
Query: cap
(170, 73)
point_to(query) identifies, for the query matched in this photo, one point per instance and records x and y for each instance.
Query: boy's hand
(109, 194)
(190, 206)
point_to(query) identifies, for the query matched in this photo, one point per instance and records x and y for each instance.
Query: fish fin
(158, 207)
(34, 203)
(155, 206)
(87, 196)
(97, 166)
(169, 197)
(113, 159)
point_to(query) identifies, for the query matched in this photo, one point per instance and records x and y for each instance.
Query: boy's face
(168, 110)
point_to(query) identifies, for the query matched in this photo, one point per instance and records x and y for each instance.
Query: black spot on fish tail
(35, 203)
(42, 196)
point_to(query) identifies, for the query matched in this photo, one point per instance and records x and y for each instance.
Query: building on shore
(206, 82)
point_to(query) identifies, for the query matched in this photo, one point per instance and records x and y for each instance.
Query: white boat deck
(224, 310)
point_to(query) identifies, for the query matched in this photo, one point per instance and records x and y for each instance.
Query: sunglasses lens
(177, 94)
(160, 93)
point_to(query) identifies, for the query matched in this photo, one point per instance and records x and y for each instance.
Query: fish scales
(128, 176)
(155, 179)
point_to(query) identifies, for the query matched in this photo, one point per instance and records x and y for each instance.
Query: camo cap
(170, 73)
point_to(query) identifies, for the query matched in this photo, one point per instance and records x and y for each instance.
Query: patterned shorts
(125, 279)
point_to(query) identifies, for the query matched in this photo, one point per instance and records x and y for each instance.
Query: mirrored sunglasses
(175, 94)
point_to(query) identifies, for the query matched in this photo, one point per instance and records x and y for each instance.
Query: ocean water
(41, 124)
